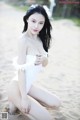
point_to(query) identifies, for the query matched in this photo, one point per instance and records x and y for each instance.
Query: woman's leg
(37, 111)
(45, 97)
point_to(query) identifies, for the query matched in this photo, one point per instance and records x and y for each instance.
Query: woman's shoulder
(23, 39)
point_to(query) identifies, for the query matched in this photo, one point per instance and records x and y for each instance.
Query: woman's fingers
(38, 59)
(28, 110)
(23, 110)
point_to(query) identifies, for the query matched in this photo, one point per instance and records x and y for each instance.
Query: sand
(62, 75)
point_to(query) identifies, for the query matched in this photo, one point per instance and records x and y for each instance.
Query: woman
(32, 58)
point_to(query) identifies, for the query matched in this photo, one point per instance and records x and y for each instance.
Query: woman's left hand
(41, 60)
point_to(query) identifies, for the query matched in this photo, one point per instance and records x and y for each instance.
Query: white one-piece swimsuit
(31, 69)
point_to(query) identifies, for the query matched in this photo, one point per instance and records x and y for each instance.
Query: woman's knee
(55, 102)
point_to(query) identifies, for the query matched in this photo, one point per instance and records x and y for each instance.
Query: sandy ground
(62, 75)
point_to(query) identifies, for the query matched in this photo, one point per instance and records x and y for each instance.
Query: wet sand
(62, 75)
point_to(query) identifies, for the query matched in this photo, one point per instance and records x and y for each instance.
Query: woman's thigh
(37, 111)
(45, 97)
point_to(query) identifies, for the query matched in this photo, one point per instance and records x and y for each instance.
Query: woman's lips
(35, 30)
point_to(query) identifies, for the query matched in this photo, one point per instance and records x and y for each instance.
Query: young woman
(32, 58)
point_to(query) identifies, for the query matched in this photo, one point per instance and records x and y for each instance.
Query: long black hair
(45, 33)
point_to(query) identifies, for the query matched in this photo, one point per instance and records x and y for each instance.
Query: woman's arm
(21, 72)
(22, 83)
(25, 103)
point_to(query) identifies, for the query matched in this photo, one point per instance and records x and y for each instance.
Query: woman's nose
(36, 25)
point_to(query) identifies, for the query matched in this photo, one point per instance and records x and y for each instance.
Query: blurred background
(62, 75)
(69, 9)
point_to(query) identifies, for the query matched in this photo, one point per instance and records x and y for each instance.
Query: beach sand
(62, 75)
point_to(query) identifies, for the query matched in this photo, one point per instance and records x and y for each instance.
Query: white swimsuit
(31, 70)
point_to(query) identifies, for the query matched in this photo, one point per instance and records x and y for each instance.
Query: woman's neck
(32, 36)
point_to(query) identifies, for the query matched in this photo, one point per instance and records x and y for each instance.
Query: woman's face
(35, 23)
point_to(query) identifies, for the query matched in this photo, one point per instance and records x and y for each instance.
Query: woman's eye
(41, 23)
(33, 21)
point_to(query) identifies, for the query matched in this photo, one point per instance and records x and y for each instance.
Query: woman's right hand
(25, 105)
